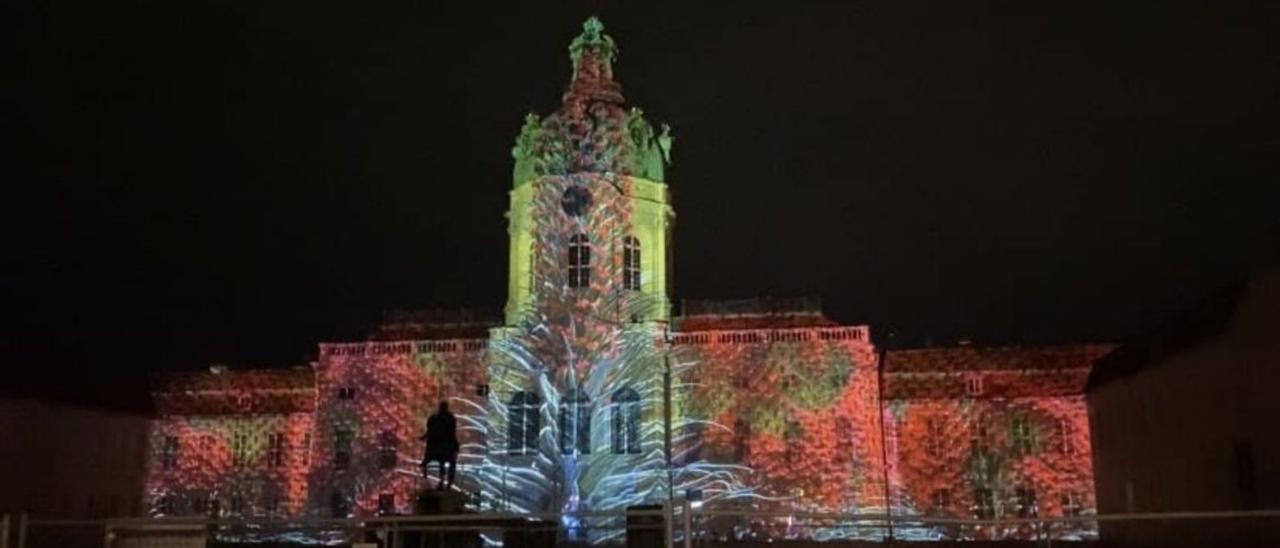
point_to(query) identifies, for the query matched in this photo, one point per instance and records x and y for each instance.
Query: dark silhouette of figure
(442, 444)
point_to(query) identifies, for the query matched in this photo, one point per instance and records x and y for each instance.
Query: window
(1026, 496)
(237, 504)
(579, 261)
(980, 435)
(984, 504)
(240, 448)
(1071, 504)
(306, 450)
(631, 263)
(482, 390)
(275, 449)
(165, 505)
(1023, 435)
(342, 438)
(741, 441)
(575, 423)
(338, 505)
(973, 385)
(626, 422)
(346, 393)
(386, 503)
(272, 502)
(1065, 443)
(169, 453)
(200, 503)
(524, 422)
(792, 439)
(941, 499)
(933, 437)
(387, 443)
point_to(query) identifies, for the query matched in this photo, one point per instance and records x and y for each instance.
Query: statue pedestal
(434, 502)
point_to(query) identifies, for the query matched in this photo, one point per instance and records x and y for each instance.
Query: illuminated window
(792, 439)
(275, 449)
(346, 393)
(973, 385)
(933, 437)
(626, 422)
(579, 261)
(941, 499)
(272, 502)
(1027, 507)
(1072, 506)
(524, 422)
(1065, 443)
(980, 435)
(338, 505)
(1024, 440)
(165, 505)
(169, 453)
(575, 423)
(387, 443)
(240, 448)
(342, 438)
(741, 441)
(386, 503)
(984, 504)
(631, 263)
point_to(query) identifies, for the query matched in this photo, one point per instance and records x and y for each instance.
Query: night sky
(236, 181)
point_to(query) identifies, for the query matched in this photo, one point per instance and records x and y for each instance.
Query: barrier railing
(672, 525)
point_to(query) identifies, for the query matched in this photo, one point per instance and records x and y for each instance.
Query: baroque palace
(591, 395)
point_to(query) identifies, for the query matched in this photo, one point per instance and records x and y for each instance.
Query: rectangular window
(631, 263)
(741, 441)
(346, 393)
(240, 448)
(1027, 507)
(1023, 435)
(933, 437)
(306, 450)
(980, 435)
(1065, 443)
(984, 504)
(941, 500)
(386, 503)
(237, 504)
(482, 390)
(342, 438)
(973, 385)
(169, 453)
(387, 457)
(338, 505)
(275, 449)
(1071, 504)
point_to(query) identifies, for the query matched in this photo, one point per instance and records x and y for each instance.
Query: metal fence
(674, 525)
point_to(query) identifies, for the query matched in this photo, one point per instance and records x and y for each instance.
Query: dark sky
(235, 181)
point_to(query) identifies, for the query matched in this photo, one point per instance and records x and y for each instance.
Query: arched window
(524, 421)
(626, 422)
(631, 263)
(575, 423)
(579, 261)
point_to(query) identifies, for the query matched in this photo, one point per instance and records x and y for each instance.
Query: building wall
(1194, 429)
(796, 407)
(990, 433)
(372, 403)
(64, 461)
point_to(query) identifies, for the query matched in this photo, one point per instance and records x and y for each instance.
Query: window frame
(631, 270)
(628, 412)
(579, 261)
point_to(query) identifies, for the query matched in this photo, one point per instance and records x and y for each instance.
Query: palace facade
(587, 393)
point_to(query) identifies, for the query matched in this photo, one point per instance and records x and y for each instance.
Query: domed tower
(590, 218)
(578, 376)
